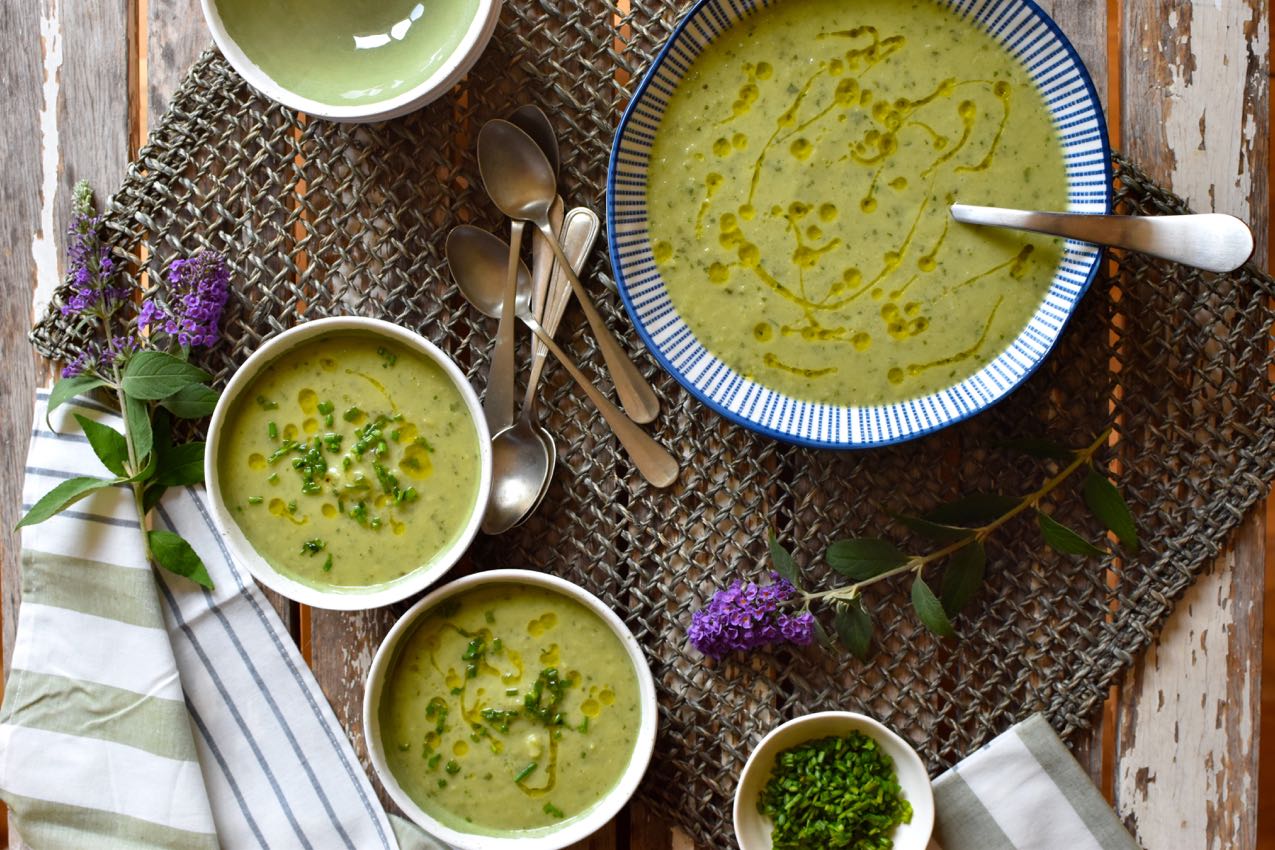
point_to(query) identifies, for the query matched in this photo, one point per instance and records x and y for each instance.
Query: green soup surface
(509, 709)
(798, 197)
(350, 461)
(348, 52)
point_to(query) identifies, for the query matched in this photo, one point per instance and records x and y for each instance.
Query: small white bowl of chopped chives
(834, 779)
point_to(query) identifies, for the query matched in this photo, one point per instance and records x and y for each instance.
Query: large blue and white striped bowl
(1028, 34)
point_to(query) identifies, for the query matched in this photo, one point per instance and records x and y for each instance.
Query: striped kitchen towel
(1024, 791)
(153, 713)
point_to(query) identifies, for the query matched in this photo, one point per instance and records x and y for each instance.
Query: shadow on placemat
(320, 219)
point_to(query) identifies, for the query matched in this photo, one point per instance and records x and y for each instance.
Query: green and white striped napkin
(1024, 791)
(143, 711)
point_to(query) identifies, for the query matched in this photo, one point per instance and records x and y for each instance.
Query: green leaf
(174, 554)
(1038, 448)
(781, 560)
(821, 635)
(864, 558)
(1109, 507)
(1062, 539)
(108, 444)
(68, 388)
(933, 530)
(154, 375)
(182, 465)
(62, 497)
(854, 627)
(193, 401)
(930, 610)
(963, 577)
(151, 496)
(974, 508)
(137, 421)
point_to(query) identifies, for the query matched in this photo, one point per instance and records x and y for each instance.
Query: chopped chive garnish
(313, 546)
(254, 500)
(272, 430)
(266, 404)
(511, 692)
(273, 478)
(525, 772)
(327, 567)
(452, 767)
(351, 414)
(583, 727)
(326, 407)
(292, 506)
(553, 811)
(442, 783)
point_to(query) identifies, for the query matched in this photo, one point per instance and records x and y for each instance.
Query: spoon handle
(578, 232)
(1211, 241)
(652, 460)
(541, 269)
(639, 400)
(498, 404)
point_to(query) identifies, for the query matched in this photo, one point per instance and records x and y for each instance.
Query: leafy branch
(148, 374)
(960, 531)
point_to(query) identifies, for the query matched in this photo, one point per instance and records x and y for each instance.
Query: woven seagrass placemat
(320, 219)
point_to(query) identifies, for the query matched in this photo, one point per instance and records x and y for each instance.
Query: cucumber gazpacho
(350, 461)
(509, 709)
(798, 195)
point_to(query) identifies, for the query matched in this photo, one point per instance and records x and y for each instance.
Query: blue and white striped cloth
(145, 713)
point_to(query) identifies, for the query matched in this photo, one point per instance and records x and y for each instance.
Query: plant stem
(134, 462)
(917, 563)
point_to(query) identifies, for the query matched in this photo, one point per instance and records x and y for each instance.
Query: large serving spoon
(1210, 241)
(521, 182)
(477, 259)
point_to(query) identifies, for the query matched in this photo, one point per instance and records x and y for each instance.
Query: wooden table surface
(1185, 85)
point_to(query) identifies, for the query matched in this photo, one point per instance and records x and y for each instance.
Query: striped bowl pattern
(1028, 34)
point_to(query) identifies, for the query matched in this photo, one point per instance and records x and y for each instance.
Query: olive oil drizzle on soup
(509, 709)
(798, 197)
(349, 461)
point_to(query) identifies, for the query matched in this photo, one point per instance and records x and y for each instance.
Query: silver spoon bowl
(521, 181)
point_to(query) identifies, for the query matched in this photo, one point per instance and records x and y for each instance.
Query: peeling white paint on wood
(1210, 80)
(44, 247)
(1176, 775)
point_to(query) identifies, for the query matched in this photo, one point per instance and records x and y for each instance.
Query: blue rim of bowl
(795, 439)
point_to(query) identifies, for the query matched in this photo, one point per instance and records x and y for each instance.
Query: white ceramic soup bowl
(753, 829)
(573, 830)
(242, 550)
(471, 46)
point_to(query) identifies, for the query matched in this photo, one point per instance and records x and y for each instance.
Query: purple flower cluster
(744, 617)
(198, 288)
(90, 269)
(101, 358)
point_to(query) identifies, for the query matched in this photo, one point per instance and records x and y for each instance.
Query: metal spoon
(532, 120)
(520, 180)
(579, 231)
(1211, 241)
(526, 445)
(498, 402)
(477, 259)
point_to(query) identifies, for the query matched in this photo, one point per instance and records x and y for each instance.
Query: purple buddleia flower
(83, 361)
(190, 313)
(744, 617)
(90, 269)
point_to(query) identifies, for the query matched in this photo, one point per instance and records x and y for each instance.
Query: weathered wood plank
(1195, 114)
(66, 72)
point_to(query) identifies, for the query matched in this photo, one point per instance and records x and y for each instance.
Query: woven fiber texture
(320, 219)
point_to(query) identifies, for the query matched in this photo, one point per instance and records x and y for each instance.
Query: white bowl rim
(574, 830)
(471, 46)
(878, 729)
(237, 543)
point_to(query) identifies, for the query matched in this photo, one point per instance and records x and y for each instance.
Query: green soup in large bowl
(348, 463)
(510, 709)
